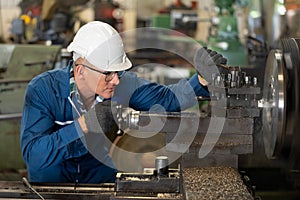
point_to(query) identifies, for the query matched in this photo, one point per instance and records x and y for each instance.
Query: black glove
(101, 131)
(101, 120)
(207, 62)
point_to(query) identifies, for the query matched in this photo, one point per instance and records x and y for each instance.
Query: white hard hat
(101, 45)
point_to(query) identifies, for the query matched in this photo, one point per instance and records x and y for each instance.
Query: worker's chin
(107, 95)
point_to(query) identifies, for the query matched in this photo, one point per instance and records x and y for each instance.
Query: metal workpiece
(161, 122)
(214, 183)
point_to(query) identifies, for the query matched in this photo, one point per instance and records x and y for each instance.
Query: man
(60, 105)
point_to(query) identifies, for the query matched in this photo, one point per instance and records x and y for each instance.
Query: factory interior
(241, 142)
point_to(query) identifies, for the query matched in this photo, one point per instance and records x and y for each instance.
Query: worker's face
(106, 86)
(98, 83)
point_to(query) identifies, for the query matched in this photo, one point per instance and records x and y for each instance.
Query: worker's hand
(206, 62)
(100, 130)
(100, 120)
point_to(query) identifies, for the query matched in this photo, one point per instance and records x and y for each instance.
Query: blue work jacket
(50, 135)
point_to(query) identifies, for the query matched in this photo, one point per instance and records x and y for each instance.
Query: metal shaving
(214, 183)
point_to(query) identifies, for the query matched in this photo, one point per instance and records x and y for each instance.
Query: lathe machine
(199, 155)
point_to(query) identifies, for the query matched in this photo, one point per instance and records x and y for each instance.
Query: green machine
(224, 35)
(18, 65)
(223, 32)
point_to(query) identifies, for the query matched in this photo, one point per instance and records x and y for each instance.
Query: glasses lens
(111, 75)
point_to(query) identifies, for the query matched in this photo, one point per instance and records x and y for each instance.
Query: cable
(27, 184)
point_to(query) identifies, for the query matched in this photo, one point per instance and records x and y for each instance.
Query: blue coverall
(50, 142)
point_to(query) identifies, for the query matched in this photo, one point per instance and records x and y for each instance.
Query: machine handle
(28, 185)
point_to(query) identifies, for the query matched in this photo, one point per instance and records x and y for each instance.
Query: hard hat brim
(118, 67)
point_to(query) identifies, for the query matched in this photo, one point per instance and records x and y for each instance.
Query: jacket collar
(62, 81)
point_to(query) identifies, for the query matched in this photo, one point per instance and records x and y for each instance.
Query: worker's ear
(78, 71)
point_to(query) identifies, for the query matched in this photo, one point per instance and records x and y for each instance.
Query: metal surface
(274, 100)
(188, 134)
(148, 184)
(162, 166)
(236, 138)
(281, 98)
(5, 55)
(14, 77)
(191, 183)
(18, 190)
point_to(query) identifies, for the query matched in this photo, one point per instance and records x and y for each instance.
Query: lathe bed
(194, 183)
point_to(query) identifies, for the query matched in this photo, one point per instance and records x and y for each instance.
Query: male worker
(60, 106)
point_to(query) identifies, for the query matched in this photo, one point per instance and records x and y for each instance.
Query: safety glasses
(108, 75)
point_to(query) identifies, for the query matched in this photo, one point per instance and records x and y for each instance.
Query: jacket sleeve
(43, 142)
(143, 95)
